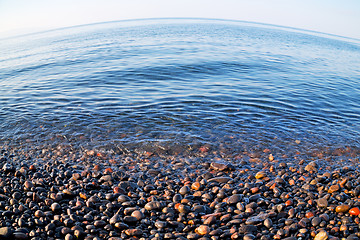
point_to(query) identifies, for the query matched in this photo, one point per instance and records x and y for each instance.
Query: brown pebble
(322, 235)
(260, 175)
(202, 230)
(333, 188)
(342, 208)
(133, 232)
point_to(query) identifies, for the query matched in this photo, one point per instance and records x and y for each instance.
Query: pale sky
(328, 16)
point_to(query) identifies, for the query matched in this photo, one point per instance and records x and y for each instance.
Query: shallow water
(175, 85)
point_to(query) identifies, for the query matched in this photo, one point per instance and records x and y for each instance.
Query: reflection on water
(171, 85)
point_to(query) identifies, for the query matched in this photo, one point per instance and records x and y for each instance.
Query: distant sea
(176, 85)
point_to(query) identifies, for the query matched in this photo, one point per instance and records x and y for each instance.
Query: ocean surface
(176, 85)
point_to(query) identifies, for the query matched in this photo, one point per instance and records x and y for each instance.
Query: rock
(202, 230)
(342, 208)
(311, 167)
(184, 190)
(221, 166)
(260, 175)
(322, 202)
(133, 232)
(220, 179)
(234, 199)
(247, 228)
(256, 219)
(354, 211)
(6, 232)
(333, 188)
(99, 223)
(268, 223)
(154, 205)
(322, 235)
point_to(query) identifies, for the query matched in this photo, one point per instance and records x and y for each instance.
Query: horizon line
(312, 32)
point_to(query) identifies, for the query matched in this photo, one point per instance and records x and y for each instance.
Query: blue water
(175, 85)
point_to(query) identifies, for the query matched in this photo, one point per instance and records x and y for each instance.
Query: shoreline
(64, 193)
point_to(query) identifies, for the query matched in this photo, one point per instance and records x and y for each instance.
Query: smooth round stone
(342, 208)
(28, 184)
(219, 166)
(20, 236)
(99, 223)
(153, 205)
(220, 179)
(160, 224)
(234, 199)
(133, 232)
(39, 213)
(55, 207)
(354, 211)
(202, 230)
(183, 208)
(247, 228)
(184, 190)
(6, 232)
(322, 202)
(249, 237)
(137, 214)
(260, 175)
(268, 223)
(316, 221)
(333, 188)
(322, 235)
(130, 219)
(114, 219)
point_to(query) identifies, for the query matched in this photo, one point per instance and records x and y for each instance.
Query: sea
(181, 86)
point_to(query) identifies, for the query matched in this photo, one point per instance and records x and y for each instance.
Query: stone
(247, 228)
(220, 179)
(322, 235)
(202, 230)
(234, 199)
(342, 208)
(6, 232)
(322, 202)
(311, 167)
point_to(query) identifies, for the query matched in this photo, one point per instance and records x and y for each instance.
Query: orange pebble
(108, 170)
(117, 190)
(309, 214)
(32, 168)
(354, 211)
(289, 203)
(196, 186)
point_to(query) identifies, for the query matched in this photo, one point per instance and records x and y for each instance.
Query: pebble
(234, 199)
(354, 211)
(202, 230)
(6, 232)
(322, 202)
(90, 197)
(322, 235)
(342, 208)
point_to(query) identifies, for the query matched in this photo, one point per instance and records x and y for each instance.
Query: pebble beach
(65, 193)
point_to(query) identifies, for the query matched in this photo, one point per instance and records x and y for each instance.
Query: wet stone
(220, 179)
(322, 202)
(342, 208)
(5, 232)
(322, 235)
(247, 228)
(234, 199)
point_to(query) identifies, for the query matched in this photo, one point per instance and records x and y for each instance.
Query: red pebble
(354, 211)
(117, 190)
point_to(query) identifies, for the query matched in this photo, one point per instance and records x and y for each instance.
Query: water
(176, 85)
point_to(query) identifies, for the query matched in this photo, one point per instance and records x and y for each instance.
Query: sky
(327, 16)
